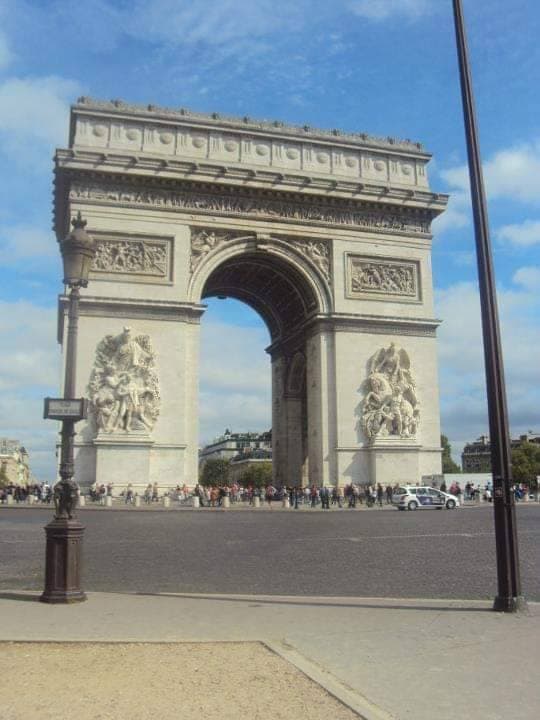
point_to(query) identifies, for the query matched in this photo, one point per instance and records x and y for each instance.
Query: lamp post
(65, 532)
(509, 597)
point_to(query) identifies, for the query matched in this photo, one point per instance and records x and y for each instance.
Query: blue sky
(386, 67)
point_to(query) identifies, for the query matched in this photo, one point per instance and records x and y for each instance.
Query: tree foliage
(215, 472)
(526, 463)
(448, 465)
(257, 474)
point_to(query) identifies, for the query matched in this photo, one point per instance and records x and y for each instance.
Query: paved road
(431, 554)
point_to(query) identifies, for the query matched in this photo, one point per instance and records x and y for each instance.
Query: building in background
(476, 456)
(237, 446)
(14, 463)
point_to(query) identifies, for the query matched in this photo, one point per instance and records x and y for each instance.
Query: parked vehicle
(422, 498)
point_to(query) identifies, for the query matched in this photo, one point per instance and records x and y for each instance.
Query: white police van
(420, 497)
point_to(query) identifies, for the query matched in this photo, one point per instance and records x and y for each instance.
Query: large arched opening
(287, 299)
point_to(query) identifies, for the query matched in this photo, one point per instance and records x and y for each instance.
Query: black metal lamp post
(509, 597)
(65, 532)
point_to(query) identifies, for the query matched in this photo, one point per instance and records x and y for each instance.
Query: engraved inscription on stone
(378, 277)
(148, 259)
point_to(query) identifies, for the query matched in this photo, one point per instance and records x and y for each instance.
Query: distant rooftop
(247, 123)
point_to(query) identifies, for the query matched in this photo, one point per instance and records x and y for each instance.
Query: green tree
(526, 463)
(215, 472)
(257, 474)
(448, 465)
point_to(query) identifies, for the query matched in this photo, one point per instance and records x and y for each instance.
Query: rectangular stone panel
(132, 258)
(377, 277)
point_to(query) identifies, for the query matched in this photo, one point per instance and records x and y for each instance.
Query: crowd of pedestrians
(313, 496)
(37, 492)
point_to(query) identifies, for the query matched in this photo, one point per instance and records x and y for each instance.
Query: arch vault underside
(326, 236)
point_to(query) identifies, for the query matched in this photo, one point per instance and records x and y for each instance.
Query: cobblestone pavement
(431, 554)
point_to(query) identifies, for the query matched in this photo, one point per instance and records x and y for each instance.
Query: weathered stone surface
(326, 235)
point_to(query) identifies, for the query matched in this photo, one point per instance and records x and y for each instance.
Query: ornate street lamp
(509, 597)
(65, 532)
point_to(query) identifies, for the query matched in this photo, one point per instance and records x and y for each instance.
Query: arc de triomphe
(326, 235)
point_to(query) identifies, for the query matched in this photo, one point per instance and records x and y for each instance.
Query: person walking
(380, 494)
(325, 498)
(129, 494)
(148, 494)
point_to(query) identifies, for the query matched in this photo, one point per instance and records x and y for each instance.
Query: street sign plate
(65, 409)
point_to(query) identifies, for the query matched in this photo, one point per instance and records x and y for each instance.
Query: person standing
(380, 494)
(325, 498)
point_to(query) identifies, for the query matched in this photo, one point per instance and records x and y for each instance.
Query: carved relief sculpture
(145, 257)
(318, 251)
(390, 407)
(124, 389)
(405, 221)
(376, 277)
(203, 241)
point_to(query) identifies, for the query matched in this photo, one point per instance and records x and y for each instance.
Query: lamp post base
(510, 604)
(63, 562)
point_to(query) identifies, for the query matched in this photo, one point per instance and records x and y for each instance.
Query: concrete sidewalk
(417, 659)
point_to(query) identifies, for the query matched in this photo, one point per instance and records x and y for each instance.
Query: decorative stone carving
(369, 276)
(184, 115)
(123, 388)
(319, 252)
(148, 258)
(203, 241)
(236, 204)
(390, 408)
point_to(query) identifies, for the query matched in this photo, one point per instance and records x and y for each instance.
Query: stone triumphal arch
(326, 235)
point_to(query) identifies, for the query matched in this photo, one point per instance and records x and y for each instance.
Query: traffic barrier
(9, 499)
(195, 502)
(286, 503)
(256, 501)
(82, 501)
(137, 501)
(226, 502)
(166, 501)
(108, 501)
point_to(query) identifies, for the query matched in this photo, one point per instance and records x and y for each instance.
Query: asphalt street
(427, 554)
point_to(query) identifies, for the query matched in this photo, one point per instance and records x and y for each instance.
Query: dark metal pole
(65, 532)
(509, 598)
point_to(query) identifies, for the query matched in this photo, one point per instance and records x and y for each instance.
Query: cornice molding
(131, 309)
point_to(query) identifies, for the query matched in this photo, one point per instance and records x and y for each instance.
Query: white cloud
(524, 234)
(27, 244)
(36, 108)
(514, 173)
(29, 355)
(457, 214)
(235, 388)
(384, 9)
(29, 370)
(215, 22)
(510, 174)
(528, 278)
(462, 380)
